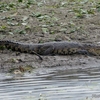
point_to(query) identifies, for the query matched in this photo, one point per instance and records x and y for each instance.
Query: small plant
(20, 31)
(98, 7)
(80, 13)
(20, 0)
(3, 27)
(2, 47)
(7, 7)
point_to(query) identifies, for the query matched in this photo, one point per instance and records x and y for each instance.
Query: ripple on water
(51, 84)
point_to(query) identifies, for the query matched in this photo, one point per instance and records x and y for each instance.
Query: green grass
(48, 16)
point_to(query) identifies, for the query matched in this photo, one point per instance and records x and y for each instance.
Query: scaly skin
(92, 49)
(18, 47)
(53, 48)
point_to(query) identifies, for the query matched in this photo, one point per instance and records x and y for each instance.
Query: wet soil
(48, 21)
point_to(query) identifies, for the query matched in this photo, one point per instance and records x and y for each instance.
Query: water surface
(52, 84)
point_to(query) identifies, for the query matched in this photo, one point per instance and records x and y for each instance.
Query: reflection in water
(51, 84)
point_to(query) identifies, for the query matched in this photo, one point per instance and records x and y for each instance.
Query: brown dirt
(20, 24)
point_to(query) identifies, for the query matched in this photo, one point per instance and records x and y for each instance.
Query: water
(52, 84)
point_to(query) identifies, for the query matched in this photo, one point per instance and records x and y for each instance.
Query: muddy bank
(39, 21)
(10, 60)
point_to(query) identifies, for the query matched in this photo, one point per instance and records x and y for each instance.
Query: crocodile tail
(15, 46)
(9, 44)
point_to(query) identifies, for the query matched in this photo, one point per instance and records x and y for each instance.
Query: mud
(20, 25)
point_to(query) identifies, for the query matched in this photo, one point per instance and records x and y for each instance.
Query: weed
(98, 7)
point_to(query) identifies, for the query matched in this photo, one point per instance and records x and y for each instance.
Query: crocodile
(53, 48)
